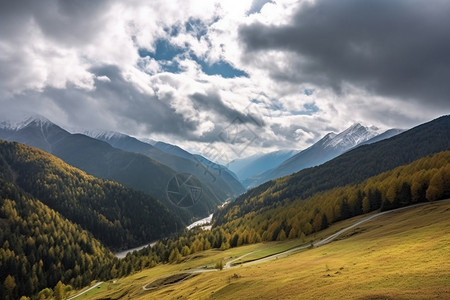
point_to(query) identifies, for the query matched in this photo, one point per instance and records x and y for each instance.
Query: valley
(124, 253)
(402, 254)
(248, 149)
(81, 220)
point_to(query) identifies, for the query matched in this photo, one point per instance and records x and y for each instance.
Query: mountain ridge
(350, 167)
(328, 147)
(218, 177)
(100, 159)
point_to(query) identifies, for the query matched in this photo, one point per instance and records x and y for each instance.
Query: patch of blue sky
(308, 109)
(165, 53)
(197, 27)
(164, 50)
(308, 92)
(221, 68)
(256, 101)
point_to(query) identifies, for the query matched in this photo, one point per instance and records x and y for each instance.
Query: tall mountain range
(222, 180)
(350, 167)
(329, 147)
(135, 170)
(57, 222)
(247, 167)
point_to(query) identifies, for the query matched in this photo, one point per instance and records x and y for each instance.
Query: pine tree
(59, 291)
(10, 285)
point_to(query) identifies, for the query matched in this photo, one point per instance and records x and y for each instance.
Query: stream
(203, 221)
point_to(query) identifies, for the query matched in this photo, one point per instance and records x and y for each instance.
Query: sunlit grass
(402, 255)
(103, 287)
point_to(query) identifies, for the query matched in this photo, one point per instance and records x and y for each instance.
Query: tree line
(43, 252)
(119, 217)
(351, 167)
(427, 179)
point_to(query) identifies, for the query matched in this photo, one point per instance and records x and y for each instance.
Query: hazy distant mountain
(173, 149)
(102, 160)
(218, 168)
(351, 167)
(329, 147)
(218, 178)
(249, 166)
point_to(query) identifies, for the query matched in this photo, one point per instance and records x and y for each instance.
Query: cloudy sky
(226, 78)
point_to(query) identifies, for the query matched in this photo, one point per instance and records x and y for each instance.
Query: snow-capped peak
(35, 118)
(148, 141)
(352, 136)
(103, 134)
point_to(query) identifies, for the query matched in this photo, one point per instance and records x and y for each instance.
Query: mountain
(117, 216)
(172, 149)
(258, 163)
(329, 147)
(219, 169)
(349, 168)
(41, 247)
(385, 135)
(100, 159)
(55, 221)
(218, 178)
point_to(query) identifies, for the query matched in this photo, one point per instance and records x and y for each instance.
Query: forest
(349, 168)
(39, 247)
(48, 248)
(119, 217)
(427, 179)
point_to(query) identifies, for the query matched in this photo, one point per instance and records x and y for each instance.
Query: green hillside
(101, 160)
(117, 216)
(39, 247)
(401, 255)
(426, 179)
(349, 168)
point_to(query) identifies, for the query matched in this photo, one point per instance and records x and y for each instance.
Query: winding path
(85, 291)
(322, 242)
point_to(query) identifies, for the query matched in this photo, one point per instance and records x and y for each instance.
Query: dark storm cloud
(397, 48)
(213, 103)
(121, 98)
(66, 21)
(114, 105)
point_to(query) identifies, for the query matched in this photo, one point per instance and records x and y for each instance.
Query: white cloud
(85, 60)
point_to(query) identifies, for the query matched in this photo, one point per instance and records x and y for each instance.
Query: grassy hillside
(117, 216)
(350, 168)
(401, 255)
(426, 179)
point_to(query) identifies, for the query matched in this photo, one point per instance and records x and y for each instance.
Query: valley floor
(400, 255)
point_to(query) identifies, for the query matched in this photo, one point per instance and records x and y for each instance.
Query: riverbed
(205, 222)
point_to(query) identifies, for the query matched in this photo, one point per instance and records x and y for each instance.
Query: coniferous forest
(117, 216)
(60, 225)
